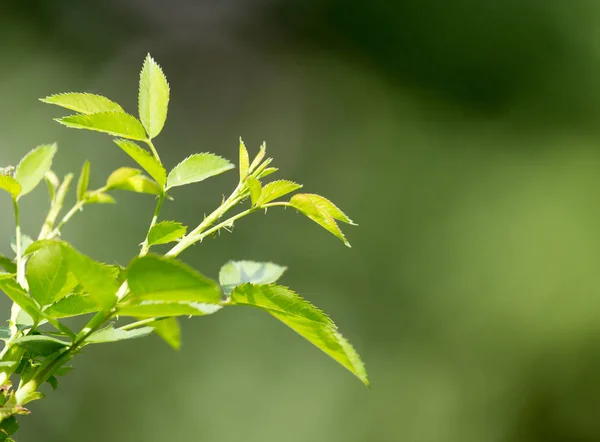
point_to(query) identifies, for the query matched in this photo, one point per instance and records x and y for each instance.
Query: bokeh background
(462, 136)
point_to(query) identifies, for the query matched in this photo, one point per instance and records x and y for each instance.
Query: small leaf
(154, 97)
(132, 180)
(255, 190)
(41, 244)
(154, 278)
(10, 185)
(145, 160)
(244, 161)
(266, 172)
(196, 168)
(53, 184)
(165, 232)
(83, 103)
(259, 157)
(235, 273)
(154, 309)
(84, 180)
(321, 211)
(305, 319)
(118, 124)
(33, 167)
(26, 241)
(96, 197)
(111, 334)
(169, 331)
(8, 264)
(72, 305)
(277, 189)
(48, 275)
(40, 345)
(20, 297)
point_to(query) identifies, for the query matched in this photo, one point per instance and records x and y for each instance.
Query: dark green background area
(462, 137)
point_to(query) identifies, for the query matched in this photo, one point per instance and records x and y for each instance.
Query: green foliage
(48, 280)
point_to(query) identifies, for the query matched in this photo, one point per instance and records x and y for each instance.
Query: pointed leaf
(244, 161)
(96, 197)
(305, 319)
(255, 190)
(8, 264)
(132, 180)
(236, 273)
(154, 309)
(84, 180)
(154, 278)
(144, 159)
(169, 331)
(20, 297)
(83, 103)
(196, 168)
(259, 157)
(118, 124)
(33, 167)
(266, 172)
(40, 345)
(165, 232)
(48, 275)
(10, 185)
(153, 97)
(324, 205)
(112, 334)
(277, 189)
(72, 305)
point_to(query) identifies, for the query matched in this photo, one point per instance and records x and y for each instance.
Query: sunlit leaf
(10, 185)
(48, 275)
(132, 180)
(118, 124)
(277, 189)
(145, 160)
(153, 97)
(111, 334)
(244, 161)
(20, 297)
(235, 273)
(72, 305)
(84, 180)
(96, 197)
(196, 168)
(40, 345)
(169, 330)
(165, 232)
(255, 190)
(33, 167)
(259, 157)
(83, 103)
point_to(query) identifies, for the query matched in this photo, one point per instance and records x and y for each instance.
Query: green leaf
(305, 319)
(96, 197)
(19, 296)
(26, 241)
(72, 305)
(235, 273)
(153, 97)
(118, 124)
(132, 180)
(169, 330)
(83, 103)
(41, 244)
(255, 190)
(5, 333)
(266, 172)
(155, 278)
(145, 160)
(10, 185)
(259, 157)
(7, 275)
(196, 168)
(7, 264)
(321, 211)
(33, 167)
(154, 309)
(48, 275)
(244, 161)
(40, 345)
(165, 232)
(111, 334)
(84, 180)
(277, 189)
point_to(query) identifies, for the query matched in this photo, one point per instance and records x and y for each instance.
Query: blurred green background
(462, 136)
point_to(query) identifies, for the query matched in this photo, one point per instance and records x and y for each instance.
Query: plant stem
(56, 206)
(142, 323)
(146, 243)
(153, 149)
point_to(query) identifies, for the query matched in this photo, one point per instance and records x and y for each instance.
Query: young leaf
(266, 172)
(169, 330)
(118, 124)
(8, 264)
(153, 97)
(132, 180)
(40, 345)
(154, 309)
(244, 161)
(96, 197)
(277, 189)
(165, 232)
(26, 241)
(84, 180)
(41, 244)
(196, 168)
(144, 159)
(259, 157)
(321, 211)
(48, 275)
(53, 184)
(7, 275)
(235, 273)
(10, 185)
(111, 334)
(33, 167)
(305, 319)
(155, 278)
(83, 103)
(72, 305)
(19, 296)
(255, 190)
